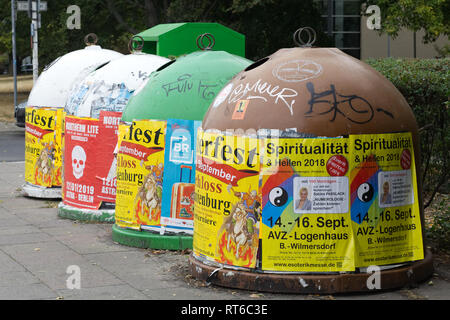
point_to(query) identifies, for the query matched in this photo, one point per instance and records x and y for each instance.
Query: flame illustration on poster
(147, 203)
(237, 240)
(43, 171)
(226, 248)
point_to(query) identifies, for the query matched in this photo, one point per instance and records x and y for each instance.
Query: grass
(24, 85)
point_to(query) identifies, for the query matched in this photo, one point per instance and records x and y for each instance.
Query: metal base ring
(407, 275)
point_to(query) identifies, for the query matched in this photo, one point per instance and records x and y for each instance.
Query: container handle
(311, 33)
(209, 37)
(90, 36)
(139, 41)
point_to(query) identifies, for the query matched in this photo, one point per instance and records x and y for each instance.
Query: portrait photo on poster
(321, 194)
(395, 188)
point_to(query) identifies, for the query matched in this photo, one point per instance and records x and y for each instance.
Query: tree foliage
(424, 84)
(267, 24)
(430, 15)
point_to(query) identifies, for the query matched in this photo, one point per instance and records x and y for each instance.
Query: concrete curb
(69, 212)
(149, 240)
(33, 191)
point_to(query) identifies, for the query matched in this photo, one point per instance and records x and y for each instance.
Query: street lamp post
(13, 22)
(34, 35)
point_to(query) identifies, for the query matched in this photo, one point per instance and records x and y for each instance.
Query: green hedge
(425, 85)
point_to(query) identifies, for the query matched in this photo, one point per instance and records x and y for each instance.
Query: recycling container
(173, 40)
(44, 118)
(307, 179)
(93, 111)
(156, 158)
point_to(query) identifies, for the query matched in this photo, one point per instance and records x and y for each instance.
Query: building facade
(343, 22)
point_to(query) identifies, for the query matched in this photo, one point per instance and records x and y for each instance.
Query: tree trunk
(151, 13)
(119, 18)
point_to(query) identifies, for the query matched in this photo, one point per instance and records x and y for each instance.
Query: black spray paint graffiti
(352, 107)
(142, 75)
(184, 84)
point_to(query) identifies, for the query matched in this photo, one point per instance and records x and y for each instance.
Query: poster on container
(58, 151)
(177, 213)
(106, 162)
(306, 222)
(140, 167)
(227, 199)
(384, 199)
(336, 204)
(43, 146)
(80, 164)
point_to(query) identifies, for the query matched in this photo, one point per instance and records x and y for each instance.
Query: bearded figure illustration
(239, 233)
(148, 198)
(43, 167)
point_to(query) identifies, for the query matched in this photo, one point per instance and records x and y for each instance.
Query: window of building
(342, 22)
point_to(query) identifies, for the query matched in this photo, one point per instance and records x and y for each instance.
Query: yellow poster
(227, 199)
(384, 199)
(140, 160)
(59, 143)
(43, 160)
(306, 223)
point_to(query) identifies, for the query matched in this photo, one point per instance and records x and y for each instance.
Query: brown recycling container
(307, 179)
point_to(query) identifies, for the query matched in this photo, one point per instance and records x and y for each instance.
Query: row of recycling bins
(300, 165)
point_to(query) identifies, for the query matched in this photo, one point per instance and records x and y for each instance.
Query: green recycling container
(173, 40)
(156, 149)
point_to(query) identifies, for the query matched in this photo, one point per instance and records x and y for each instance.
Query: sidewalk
(37, 247)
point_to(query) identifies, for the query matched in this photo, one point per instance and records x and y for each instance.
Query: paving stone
(8, 264)
(90, 276)
(32, 291)
(116, 292)
(17, 278)
(36, 247)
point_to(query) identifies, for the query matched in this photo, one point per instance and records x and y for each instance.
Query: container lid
(54, 83)
(176, 39)
(184, 88)
(319, 91)
(110, 86)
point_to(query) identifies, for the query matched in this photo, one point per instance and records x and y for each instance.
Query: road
(12, 142)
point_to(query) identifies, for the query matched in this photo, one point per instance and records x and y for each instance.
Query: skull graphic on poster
(78, 161)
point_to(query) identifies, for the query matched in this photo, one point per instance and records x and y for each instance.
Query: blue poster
(177, 208)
